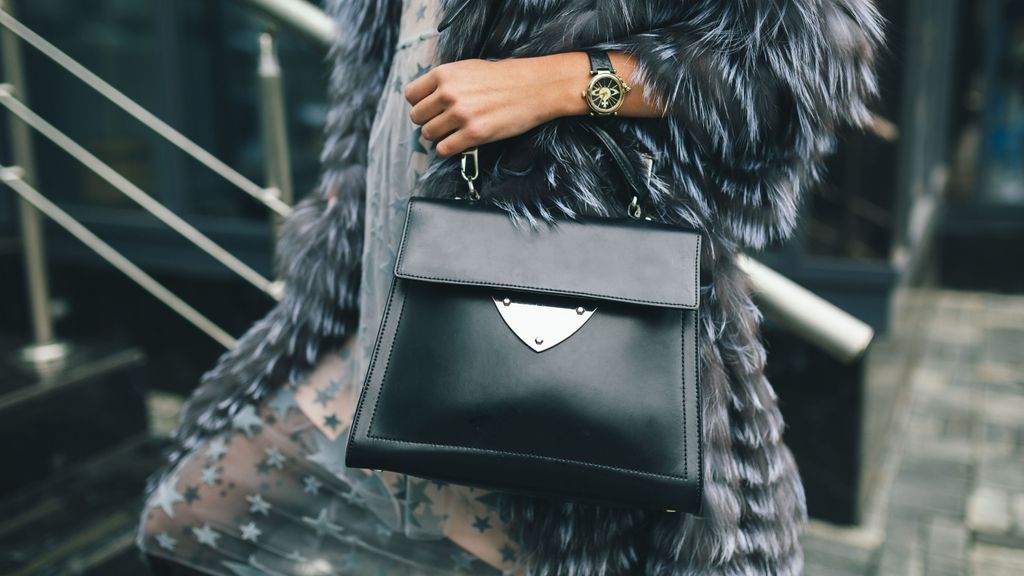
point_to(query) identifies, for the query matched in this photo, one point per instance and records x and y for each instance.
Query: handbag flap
(623, 260)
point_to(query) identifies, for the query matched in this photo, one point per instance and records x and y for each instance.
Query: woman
(736, 102)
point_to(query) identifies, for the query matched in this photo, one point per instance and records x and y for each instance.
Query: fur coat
(755, 92)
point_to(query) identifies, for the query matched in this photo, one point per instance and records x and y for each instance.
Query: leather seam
(400, 272)
(380, 393)
(373, 364)
(700, 412)
(682, 355)
(387, 368)
(486, 283)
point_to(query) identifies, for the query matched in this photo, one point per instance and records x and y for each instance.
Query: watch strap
(599, 60)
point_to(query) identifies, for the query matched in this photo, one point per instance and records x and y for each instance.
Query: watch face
(605, 93)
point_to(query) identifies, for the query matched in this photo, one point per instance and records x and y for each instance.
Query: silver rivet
(669, 510)
(580, 310)
(507, 302)
(538, 340)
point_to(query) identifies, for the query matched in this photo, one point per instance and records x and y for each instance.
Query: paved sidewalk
(954, 503)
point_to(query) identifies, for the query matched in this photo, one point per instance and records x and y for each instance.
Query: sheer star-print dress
(272, 494)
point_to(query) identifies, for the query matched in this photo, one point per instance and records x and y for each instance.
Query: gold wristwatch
(606, 90)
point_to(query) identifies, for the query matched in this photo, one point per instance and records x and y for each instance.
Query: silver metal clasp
(634, 209)
(469, 178)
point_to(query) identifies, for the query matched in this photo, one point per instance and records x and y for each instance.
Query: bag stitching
(373, 364)
(399, 271)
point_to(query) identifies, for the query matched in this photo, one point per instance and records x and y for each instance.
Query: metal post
(45, 349)
(273, 124)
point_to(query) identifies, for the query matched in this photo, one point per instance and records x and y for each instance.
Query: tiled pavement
(952, 501)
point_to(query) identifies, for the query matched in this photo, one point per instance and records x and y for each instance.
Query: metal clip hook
(474, 154)
(634, 209)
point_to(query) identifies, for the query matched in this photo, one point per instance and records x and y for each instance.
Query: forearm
(563, 76)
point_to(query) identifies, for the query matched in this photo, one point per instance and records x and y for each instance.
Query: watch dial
(605, 93)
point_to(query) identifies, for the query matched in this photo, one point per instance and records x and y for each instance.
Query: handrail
(269, 197)
(11, 176)
(825, 325)
(299, 15)
(144, 200)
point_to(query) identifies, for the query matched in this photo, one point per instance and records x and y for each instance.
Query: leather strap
(599, 60)
(632, 178)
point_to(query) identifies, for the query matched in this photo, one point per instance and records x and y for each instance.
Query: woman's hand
(471, 102)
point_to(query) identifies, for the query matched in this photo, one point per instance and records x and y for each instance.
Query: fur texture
(755, 91)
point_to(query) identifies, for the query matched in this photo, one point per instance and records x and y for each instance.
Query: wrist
(567, 74)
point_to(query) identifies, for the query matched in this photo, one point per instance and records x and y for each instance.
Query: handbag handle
(632, 178)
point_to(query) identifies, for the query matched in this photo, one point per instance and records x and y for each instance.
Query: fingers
(430, 106)
(462, 139)
(439, 127)
(421, 87)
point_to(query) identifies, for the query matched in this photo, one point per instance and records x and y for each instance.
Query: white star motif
(312, 485)
(206, 535)
(167, 495)
(210, 475)
(294, 556)
(166, 541)
(246, 420)
(250, 532)
(275, 458)
(257, 505)
(217, 448)
(322, 523)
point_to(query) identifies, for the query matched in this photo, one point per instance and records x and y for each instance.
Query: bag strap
(636, 185)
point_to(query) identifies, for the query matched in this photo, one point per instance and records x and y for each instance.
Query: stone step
(49, 422)
(83, 520)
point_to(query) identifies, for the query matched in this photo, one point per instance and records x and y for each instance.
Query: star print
(508, 553)
(166, 541)
(247, 420)
(332, 422)
(210, 475)
(206, 535)
(275, 458)
(418, 493)
(262, 467)
(330, 454)
(294, 556)
(463, 560)
(483, 523)
(323, 396)
(250, 532)
(312, 485)
(257, 505)
(282, 402)
(421, 13)
(217, 448)
(399, 203)
(191, 494)
(167, 496)
(352, 498)
(414, 143)
(322, 523)
(398, 90)
(420, 71)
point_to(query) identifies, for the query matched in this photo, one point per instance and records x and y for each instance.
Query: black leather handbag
(557, 361)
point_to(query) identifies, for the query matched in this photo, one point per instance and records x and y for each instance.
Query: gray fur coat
(755, 89)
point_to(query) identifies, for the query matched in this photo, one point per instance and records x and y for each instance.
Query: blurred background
(150, 147)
